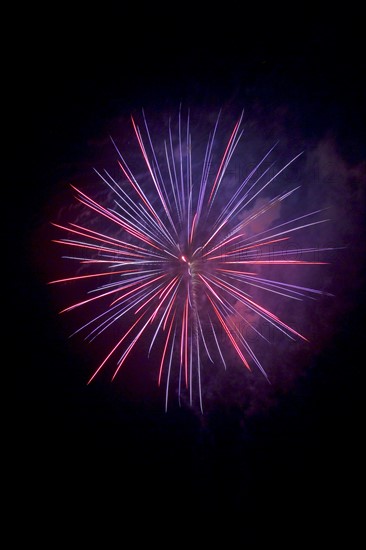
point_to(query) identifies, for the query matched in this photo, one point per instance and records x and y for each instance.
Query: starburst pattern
(176, 263)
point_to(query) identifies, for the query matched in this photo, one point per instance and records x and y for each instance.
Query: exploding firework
(175, 259)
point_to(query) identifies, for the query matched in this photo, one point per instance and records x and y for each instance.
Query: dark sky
(91, 445)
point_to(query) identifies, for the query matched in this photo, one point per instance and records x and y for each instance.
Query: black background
(82, 452)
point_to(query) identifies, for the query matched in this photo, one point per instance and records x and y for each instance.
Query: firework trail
(176, 263)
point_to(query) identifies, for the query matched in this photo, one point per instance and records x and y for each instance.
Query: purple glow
(179, 248)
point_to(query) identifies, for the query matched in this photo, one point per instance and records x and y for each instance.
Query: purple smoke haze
(326, 180)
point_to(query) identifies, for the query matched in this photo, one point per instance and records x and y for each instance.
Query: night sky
(111, 449)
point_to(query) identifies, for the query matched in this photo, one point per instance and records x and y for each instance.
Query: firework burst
(174, 258)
